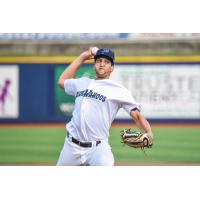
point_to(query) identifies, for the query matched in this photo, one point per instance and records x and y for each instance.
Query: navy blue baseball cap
(107, 53)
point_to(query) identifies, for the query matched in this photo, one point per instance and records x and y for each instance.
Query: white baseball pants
(75, 155)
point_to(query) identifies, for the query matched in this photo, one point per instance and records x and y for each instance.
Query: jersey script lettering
(91, 94)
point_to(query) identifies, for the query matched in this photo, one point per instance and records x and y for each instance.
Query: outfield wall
(167, 87)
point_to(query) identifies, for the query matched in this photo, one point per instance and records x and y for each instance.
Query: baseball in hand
(94, 50)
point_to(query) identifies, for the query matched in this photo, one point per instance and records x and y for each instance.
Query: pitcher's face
(103, 68)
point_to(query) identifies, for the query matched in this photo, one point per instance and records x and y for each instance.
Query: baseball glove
(136, 139)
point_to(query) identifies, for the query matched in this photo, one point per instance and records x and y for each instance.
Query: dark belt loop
(98, 142)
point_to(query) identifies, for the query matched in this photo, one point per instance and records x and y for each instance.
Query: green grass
(171, 145)
(31, 144)
(43, 144)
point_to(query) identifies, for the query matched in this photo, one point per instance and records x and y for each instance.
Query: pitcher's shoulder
(84, 79)
(116, 84)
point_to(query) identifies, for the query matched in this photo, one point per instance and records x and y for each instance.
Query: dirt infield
(116, 164)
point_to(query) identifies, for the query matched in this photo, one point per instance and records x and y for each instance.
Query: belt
(82, 144)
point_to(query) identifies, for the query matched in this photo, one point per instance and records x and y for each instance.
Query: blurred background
(162, 71)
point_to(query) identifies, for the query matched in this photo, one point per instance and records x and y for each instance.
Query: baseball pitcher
(97, 102)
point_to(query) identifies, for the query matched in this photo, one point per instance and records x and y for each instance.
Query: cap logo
(105, 50)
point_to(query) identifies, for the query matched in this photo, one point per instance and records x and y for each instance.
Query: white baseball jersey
(96, 105)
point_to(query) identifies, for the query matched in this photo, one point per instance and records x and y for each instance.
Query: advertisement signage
(9, 91)
(165, 90)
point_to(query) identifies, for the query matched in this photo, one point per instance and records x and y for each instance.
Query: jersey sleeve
(129, 103)
(70, 86)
